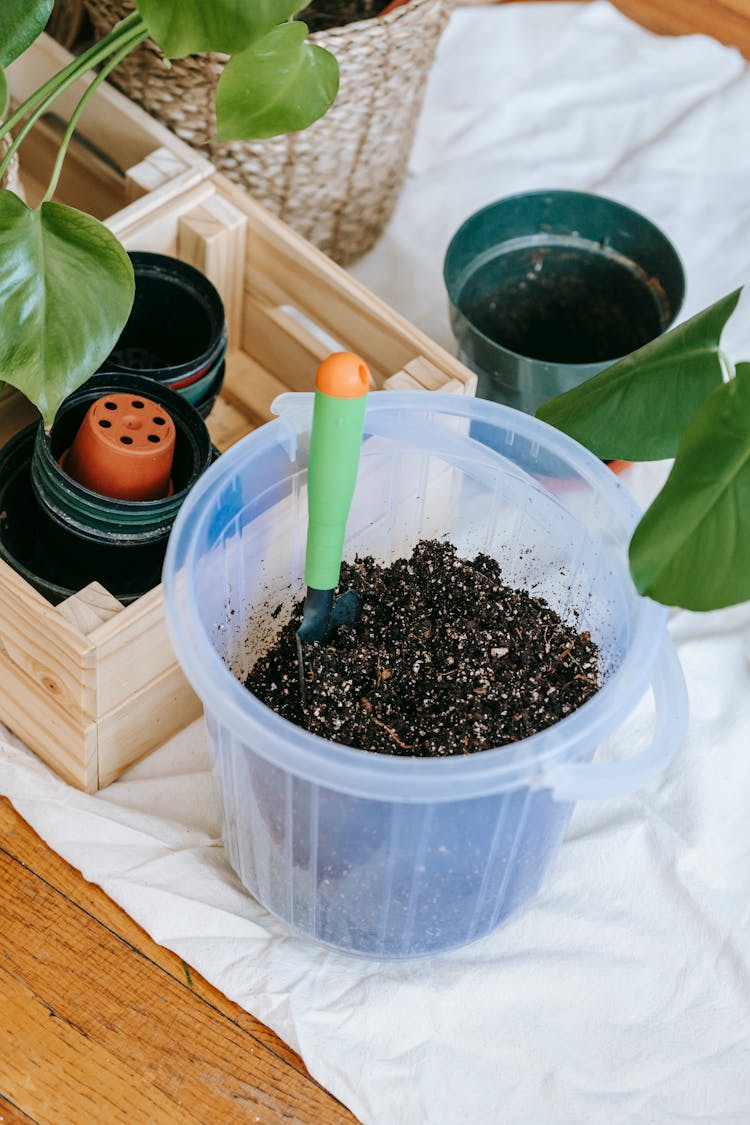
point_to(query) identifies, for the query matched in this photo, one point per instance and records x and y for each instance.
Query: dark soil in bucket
(446, 659)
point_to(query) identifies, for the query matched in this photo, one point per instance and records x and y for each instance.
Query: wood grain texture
(101, 1025)
(725, 20)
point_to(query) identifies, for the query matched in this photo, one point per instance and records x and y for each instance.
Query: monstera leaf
(279, 85)
(66, 289)
(692, 547)
(185, 27)
(639, 408)
(21, 21)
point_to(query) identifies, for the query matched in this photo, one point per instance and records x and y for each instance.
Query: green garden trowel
(341, 387)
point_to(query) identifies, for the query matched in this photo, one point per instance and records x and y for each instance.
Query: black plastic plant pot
(78, 536)
(176, 332)
(548, 288)
(21, 538)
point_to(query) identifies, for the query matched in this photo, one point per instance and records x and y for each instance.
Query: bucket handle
(580, 781)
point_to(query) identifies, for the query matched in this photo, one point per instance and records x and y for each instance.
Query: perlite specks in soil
(446, 659)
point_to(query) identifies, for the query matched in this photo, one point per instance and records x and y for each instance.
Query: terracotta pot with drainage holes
(124, 449)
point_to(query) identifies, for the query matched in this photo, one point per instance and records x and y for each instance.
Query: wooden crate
(90, 685)
(121, 162)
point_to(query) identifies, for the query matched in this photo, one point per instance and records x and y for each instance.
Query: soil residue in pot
(446, 659)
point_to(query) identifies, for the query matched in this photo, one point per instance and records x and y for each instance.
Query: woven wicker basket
(66, 21)
(335, 183)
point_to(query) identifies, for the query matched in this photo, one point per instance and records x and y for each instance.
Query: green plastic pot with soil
(546, 288)
(430, 793)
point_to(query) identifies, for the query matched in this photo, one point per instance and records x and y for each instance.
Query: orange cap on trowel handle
(124, 448)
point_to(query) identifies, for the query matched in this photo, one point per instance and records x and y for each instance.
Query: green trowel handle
(341, 389)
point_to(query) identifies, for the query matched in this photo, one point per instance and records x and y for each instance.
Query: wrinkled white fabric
(622, 994)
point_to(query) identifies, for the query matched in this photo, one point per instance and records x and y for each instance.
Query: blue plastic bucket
(404, 857)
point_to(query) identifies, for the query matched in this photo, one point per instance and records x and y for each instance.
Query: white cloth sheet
(622, 994)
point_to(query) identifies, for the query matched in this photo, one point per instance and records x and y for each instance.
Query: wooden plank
(10, 1114)
(251, 388)
(227, 424)
(22, 843)
(50, 652)
(281, 345)
(132, 650)
(111, 122)
(67, 745)
(158, 168)
(152, 222)
(144, 721)
(432, 378)
(725, 20)
(402, 381)
(42, 1070)
(128, 1042)
(90, 608)
(213, 239)
(87, 174)
(283, 269)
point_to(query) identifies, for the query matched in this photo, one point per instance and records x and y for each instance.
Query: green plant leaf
(185, 27)
(639, 408)
(692, 547)
(279, 85)
(66, 289)
(21, 21)
(4, 94)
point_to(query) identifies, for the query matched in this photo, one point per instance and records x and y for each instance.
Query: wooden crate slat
(158, 168)
(250, 387)
(51, 652)
(227, 424)
(145, 721)
(280, 344)
(66, 744)
(90, 608)
(213, 239)
(131, 650)
(152, 222)
(109, 114)
(286, 270)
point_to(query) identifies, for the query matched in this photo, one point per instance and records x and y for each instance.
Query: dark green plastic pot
(548, 288)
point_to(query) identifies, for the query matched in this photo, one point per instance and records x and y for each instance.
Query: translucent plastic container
(405, 857)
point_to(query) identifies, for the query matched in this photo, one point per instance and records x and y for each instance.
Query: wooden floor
(726, 20)
(99, 1024)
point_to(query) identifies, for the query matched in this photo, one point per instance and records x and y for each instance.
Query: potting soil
(446, 659)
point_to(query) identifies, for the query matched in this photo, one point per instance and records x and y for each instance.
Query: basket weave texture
(66, 21)
(337, 182)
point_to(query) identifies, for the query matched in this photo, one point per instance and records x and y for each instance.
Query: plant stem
(727, 367)
(42, 98)
(84, 62)
(125, 49)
